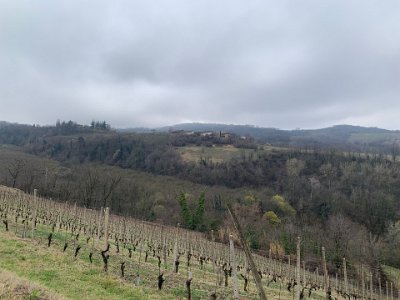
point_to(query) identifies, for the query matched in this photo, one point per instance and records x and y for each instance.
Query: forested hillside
(340, 199)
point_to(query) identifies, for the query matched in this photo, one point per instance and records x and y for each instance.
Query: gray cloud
(283, 63)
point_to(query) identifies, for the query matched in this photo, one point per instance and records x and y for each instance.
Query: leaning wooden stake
(249, 257)
(234, 269)
(106, 224)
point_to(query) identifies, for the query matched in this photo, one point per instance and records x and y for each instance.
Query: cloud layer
(282, 63)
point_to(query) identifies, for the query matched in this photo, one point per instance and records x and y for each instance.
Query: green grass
(217, 154)
(61, 273)
(75, 278)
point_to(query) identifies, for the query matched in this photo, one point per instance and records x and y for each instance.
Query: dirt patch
(13, 287)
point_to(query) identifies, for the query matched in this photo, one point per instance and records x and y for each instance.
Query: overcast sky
(284, 64)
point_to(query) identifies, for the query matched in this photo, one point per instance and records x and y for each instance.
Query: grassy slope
(60, 273)
(48, 273)
(75, 278)
(218, 154)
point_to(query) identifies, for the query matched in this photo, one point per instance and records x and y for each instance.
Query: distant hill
(259, 133)
(339, 137)
(342, 137)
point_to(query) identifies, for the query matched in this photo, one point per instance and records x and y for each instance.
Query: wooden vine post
(165, 252)
(99, 225)
(362, 282)
(391, 290)
(387, 291)
(234, 269)
(371, 287)
(83, 222)
(106, 225)
(249, 257)
(325, 274)
(175, 254)
(346, 287)
(298, 271)
(336, 282)
(34, 212)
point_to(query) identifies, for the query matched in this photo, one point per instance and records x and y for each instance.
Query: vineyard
(174, 263)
